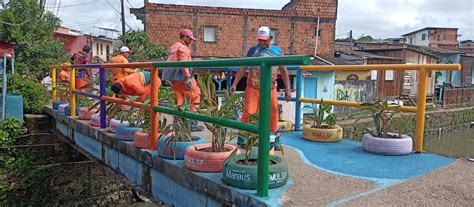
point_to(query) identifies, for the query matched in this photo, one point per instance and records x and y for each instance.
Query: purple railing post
(103, 92)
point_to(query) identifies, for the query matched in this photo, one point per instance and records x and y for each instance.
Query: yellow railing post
(421, 108)
(53, 84)
(72, 101)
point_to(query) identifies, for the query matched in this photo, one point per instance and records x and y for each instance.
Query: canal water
(459, 143)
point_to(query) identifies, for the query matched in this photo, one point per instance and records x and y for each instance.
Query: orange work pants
(252, 106)
(193, 94)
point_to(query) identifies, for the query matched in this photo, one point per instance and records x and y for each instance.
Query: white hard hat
(124, 49)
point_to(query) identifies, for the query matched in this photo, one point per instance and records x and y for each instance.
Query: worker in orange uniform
(183, 83)
(136, 84)
(122, 57)
(264, 48)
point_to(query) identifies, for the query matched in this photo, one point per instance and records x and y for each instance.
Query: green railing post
(264, 132)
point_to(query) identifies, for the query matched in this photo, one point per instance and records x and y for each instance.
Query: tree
(143, 49)
(366, 38)
(27, 25)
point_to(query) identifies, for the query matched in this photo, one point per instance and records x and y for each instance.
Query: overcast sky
(378, 18)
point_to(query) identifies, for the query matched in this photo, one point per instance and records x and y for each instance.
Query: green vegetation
(143, 49)
(20, 176)
(35, 95)
(210, 106)
(381, 114)
(322, 116)
(28, 26)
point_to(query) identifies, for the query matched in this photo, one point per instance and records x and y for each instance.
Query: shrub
(35, 95)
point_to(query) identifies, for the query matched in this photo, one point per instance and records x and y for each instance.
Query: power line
(72, 5)
(129, 27)
(59, 6)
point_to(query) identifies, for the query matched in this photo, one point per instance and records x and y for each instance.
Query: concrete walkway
(333, 174)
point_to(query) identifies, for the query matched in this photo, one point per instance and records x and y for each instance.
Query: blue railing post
(228, 76)
(103, 92)
(298, 103)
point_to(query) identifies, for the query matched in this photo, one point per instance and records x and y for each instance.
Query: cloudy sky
(378, 18)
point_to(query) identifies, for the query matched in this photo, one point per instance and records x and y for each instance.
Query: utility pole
(350, 37)
(317, 40)
(123, 17)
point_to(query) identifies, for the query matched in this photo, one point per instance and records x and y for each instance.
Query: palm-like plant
(381, 113)
(210, 106)
(319, 120)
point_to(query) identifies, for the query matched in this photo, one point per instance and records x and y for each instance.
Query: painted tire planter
(322, 134)
(126, 133)
(95, 120)
(57, 103)
(202, 161)
(67, 110)
(115, 123)
(62, 107)
(288, 125)
(387, 146)
(142, 139)
(85, 114)
(179, 149)
(245, 176)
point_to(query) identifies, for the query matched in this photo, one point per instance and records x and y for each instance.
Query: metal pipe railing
(420, 109)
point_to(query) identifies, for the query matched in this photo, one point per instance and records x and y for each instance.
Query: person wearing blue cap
(263, 48)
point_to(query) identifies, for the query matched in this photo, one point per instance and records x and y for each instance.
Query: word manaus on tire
(245, 176)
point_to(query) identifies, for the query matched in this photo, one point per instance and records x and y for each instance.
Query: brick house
(230, 32)
(437, 37)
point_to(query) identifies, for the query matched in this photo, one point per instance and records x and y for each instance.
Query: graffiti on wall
(350, 94)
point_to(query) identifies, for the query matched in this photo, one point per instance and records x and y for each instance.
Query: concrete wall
(358, 91)
(164, 179)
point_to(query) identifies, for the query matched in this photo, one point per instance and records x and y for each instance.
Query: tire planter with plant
(126, 133)
(388, 146)
(62, 107)
(201, 158)
(287, 124)
(237, 174)
(115, 123)
(178, 149)
(57, 103)
(67, 110)
(322, 134)
(95, 120)
(85, 114)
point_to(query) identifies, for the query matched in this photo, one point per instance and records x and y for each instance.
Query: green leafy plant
(210, 106)
(143, 49)
(252, 141)
(322, 116)
(35, 96)
(381, 113)
(31, 28)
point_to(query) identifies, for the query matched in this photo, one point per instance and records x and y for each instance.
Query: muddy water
(459, 144)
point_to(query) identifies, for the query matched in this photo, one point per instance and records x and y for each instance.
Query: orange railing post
(154, 102)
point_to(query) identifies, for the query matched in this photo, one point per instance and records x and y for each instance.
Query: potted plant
(137, 120)
(177, 137)
(210, 157)
(287, 124)
(240, 170)
(87, 109)
(379, 140)
(323, 128)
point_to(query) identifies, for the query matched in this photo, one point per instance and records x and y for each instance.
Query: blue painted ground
(348, 158)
